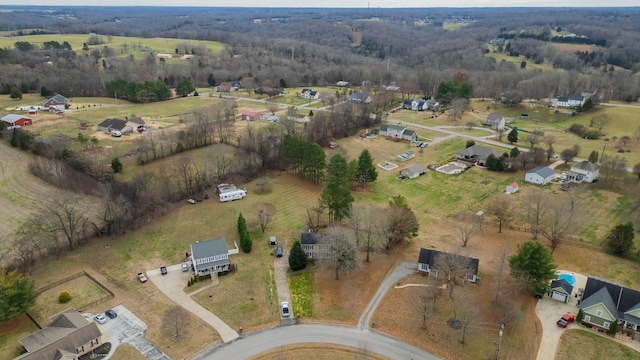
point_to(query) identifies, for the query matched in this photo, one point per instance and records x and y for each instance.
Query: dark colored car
(279, 251)
(111, 314)
(163, 270)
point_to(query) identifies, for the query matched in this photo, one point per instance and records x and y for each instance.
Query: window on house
(598, 312)
(606, 325)
(587, 318)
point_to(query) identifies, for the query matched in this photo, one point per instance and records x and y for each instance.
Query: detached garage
(16, 120)
(413, 171)
(560, 290)
(541, 175)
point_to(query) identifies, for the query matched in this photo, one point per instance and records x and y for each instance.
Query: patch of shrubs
(65, 297)
(578, 129)
(591, 134)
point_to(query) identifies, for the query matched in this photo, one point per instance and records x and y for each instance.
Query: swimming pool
(568, 278)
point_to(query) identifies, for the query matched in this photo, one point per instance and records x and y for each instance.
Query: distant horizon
(335, 4)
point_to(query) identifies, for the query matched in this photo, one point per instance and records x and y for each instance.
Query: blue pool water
(568, 278)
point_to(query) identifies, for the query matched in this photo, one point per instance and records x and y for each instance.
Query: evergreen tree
(366, 169)
(211, 80)
(514, 152)
(470, 143)
(116, 165)
(185, 87)
(533, 266)
(297, 257)
(18, 294)
(335, 195)
(620, 239)
(495, 163)
(513, 136)
(283, 84)
(245, 241)
(15, 93)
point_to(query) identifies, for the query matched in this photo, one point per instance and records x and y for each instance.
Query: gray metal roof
(562, 284)
(12, 118)
(543, 171)
(415, 169)
(600, 296)
(205, 249)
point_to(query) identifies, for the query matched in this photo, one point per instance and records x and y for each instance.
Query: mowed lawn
(11, 332)
(585, 344)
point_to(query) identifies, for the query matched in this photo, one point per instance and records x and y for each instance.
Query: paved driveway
(172, 285)
(549, 311)
(280, 267)
(398, 273)
(129, 329)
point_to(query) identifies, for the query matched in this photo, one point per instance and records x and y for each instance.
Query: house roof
(204, 249)
(603, 297)
(250, 113)
(415, 169)
(623, 299)
(562, 284)
(585, 165)
(479, 151)
(115, 124)
(137, 120)
(57, 98)
(543, 171)
(407, 102)
(428, 256)
(314, 238)
(360, 96)
(514, 185)
(576, 97)
(12, 118)
(67, 331)
(493, 117)
(408, 132)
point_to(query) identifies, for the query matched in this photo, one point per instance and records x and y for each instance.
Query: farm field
(123, 46)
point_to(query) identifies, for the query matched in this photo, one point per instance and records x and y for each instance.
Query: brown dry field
(310, 351)
(127, 352)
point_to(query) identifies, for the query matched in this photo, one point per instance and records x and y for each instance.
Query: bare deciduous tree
(612, 169)
(314, 215)
(175, 322)
(501, 208)
(453, 270)
(426, 305)
(600, 121)
(363, 221)
(342, 253)
(458, 107)
(533, 139)
(561, 218)
(265, 214)
(68, 218)
(501, 274)
(465, 226)
(535, 205)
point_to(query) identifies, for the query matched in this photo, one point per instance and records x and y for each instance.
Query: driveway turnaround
(370, 341)
(172, 284)
(399, 272)
(129, 329)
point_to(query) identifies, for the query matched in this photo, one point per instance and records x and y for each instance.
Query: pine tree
(245, 241)
(513, 136)
(297, 257)
(366, 170)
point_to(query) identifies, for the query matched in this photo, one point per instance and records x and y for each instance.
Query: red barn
(16, 120)
(250, 115)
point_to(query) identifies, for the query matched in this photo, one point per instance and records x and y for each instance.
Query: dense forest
(310, 47)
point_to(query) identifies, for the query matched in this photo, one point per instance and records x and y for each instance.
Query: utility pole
(115, 94)
(500, 333)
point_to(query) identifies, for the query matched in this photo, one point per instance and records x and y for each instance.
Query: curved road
(368, 341)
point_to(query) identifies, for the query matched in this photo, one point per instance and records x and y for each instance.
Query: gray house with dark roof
(315, 245)
(67, 337)
(427, 262)
(560, 290)
(210, 256)
(540, 175)
(584, 171)
(396, 132)
(476, 154)
(495, 121)
(604, 303)
(361, 97)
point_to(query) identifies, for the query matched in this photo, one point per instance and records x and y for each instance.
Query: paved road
(129, 329)
(172, 284)
(371, 341)
(398, 273)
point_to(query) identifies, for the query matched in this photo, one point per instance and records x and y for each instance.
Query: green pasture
(123, 46)
(453, 26)
(517, 60)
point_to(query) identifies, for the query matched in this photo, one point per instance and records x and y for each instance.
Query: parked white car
(100, 318)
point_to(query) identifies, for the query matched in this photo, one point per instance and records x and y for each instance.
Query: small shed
(560, 290)
(250, 115)
(413, 171)
(513, 187)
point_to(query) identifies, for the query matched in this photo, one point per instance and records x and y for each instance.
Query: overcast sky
(334, 3)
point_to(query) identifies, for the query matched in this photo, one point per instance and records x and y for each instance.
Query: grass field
(123, 46)
(83, 290)
(453, 26)
(125, 351)
(301, 288)
(11, 332)
(517, 60)
(585, 344)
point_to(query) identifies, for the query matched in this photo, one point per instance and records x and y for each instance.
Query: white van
(232, 195)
